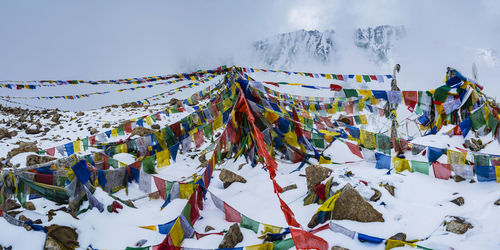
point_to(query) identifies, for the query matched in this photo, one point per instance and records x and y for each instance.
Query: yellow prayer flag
(185, 190)
(363, 119)
(374, 101)
(77, 146)
(497, 173)
(154, 227)
(365, 92)
(193, 131)
(322, 160)
(270, 229)
(291, 139)
(148, 120)
(397, 243)
(401, 164)
(455, 157)
(329, 204)
(358, 78)
(176, 233)
(367, 139)
(114, 133)
(330, 133)
(328, 76)
(270, 116)
(163, 158)
(218, 122)
(265, 246)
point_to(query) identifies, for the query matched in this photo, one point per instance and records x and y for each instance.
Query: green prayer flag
(420, 166)
(187, 213)
(21, 196)
(249, 223)
(492, 123)
(112, 162)
(148, 165)
(85, 142)
(169, 136)
(481, 160)
(350, 93)
(283, 244)
(318, 140)
(441, 93)
(366, 78)
(357, 120)
(477, 119)
(120, 130)
(383, 143)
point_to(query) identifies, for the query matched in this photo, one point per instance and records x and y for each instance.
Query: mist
(122, 39)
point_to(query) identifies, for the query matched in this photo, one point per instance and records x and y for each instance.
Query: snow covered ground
(418, 208)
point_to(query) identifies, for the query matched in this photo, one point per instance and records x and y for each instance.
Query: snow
(419, 207)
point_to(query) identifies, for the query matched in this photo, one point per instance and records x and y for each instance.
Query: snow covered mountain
(283, 50)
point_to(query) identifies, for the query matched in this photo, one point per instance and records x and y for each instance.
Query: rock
(458, 201)
(80, 113)
(23, 218)
(55, 118)
(232, 237)
(315, 175)
(497, 203)
(37, 159)
(289, 187)
(313, 222)
(376, 196)
(209, 228)
(37, 221)
(399, 236)
(344, 119)
(9, 205)
(458, 178)
(22, 148)
(93, 131)
(202, 158)
(155, 127)
(4, 133)
(351, 206)
(141, 131)
(106, 125)
(389, 188)
(29, 205)
(228, 177)
(61, 237)
(339, 248)
(174, 101)
(457, 226)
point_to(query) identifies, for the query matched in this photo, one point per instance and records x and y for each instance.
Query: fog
(121, 39)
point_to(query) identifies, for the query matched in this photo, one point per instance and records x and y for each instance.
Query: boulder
(155, 127)
(232, 237)
(228, 177)
(458, 178)
(497, 203)
(457, 225)
(376, 196)
(61, 237)
(399, 236)
(458, 201)
(80, 113)
(37, 159)
(339, 248)
(55, 118)
(315, 175)
(106, 125)
(29, 205)
(390, 188)
(9, 205)
(93, 131)
(350, 205)
(22, 148)
(4, 133)
(141, 131)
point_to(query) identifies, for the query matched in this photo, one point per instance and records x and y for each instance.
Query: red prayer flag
(128, 128)
(411, 99)
(51, 151)
(441, 171)
(176, 128)
(199, 138)
(335, 87)
(373, 77)
(231, 214)
(92, 140)
(340, 77)
(306, 240)
(160, 184)
(354, 149)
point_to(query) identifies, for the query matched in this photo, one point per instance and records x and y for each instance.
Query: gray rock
(37, 159)
(458, 178)
(352, 206)
(229, 177)
(155, 126)
(497, 203)
(232, 237)
(399, 236)
(289, 187)
(209, 228)
(315, 175)
(390, 188)
(339, 248)
(458, 201)
(29, 205)
(458, 226)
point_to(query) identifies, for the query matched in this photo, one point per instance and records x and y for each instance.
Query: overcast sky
(97, 39)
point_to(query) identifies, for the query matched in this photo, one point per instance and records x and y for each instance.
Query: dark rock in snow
(229, 177)
(376, 196)
(232, 237)
(315, 175)
(389, 188)
(458, 201)
(457, 225)
(289, 187)
(352, 206)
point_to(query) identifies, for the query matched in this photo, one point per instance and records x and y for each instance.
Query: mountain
(379, 40)
(286, 49)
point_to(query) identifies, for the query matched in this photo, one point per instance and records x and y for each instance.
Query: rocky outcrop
(22, 148)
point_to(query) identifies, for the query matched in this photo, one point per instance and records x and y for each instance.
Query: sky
(61, 39)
